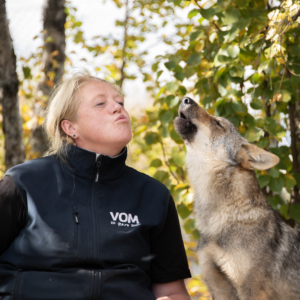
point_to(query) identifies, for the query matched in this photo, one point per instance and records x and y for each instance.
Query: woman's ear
(252, 157)
(68, 128)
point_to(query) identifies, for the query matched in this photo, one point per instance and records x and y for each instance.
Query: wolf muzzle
(183, 123)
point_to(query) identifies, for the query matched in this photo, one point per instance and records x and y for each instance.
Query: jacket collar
(84, 163)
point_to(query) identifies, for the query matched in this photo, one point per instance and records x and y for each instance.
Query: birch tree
(53, 59)
(9, 100)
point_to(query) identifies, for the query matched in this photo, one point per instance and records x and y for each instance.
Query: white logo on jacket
(124, 219)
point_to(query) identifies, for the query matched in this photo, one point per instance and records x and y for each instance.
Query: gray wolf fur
(246, 252)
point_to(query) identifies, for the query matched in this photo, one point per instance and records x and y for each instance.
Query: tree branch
(166, 162)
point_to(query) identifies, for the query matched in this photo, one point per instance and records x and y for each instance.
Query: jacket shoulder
(33, 167)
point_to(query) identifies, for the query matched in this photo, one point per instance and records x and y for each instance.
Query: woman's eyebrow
(99, 95)
(119, 96)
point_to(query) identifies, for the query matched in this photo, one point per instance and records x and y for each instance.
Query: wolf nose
(187, 101)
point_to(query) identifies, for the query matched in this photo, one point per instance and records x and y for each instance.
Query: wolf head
(215, 140)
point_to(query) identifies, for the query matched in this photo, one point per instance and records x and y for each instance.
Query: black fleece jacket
(97, 229)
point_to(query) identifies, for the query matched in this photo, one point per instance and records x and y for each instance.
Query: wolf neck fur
(224, 195)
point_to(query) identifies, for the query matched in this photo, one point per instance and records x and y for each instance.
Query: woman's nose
(116, 107)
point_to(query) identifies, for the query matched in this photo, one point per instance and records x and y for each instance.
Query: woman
(79, 223)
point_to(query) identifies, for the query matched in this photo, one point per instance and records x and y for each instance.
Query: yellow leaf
(273, 14)
(50, 83)
(55, 53)
(181, 185)
(271, 32)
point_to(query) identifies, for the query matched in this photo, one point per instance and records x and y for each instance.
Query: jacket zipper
(76, 214)
(98, 168)
(93, 212)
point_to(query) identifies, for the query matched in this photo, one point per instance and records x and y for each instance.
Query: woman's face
(102, 124)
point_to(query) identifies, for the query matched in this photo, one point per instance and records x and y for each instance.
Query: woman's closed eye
(100, 103)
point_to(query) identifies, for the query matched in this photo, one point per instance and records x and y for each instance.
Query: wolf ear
(252, 157)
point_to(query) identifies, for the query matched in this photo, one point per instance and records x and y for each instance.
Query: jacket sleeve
(12, 212)
(170, 260)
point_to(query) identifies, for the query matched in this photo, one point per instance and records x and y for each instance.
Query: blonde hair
(63, 105)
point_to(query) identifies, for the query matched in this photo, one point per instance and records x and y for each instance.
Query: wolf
(245, 252)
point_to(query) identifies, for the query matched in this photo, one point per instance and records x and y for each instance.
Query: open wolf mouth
(182, 115)
(183, 125)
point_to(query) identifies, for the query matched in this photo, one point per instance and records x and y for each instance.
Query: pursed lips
(121, 117)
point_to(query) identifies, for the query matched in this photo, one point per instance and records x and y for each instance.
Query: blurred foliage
(238, 58)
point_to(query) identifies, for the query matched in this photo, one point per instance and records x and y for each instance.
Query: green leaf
(179, 75)
(263, 143)
(158, 74)
(78, 37)
(181, 187)
(156, 163)
(196, 235)
(284, 211)
(243, 22)
(155, 66)
(178, 157)
(290, 181)
(171, 100)
(212, 37)
(263, 180)
(194, 12)
(27, 73)
(165, 132)
(183, 211)
(231, 16)
(252, 134)
(151, 138)
(276, 184)
(239, 107)
(194, 35)
(194, 59)
(274, 172)
(237, 71)
(225, 59)
(176, 137)
(274, 128)
(295, 212)
(189, 226)
(160, 92)
(171, 65)
(182, 90)
(275, 201)
(166, 116)
(161, 176)
(208, 13)
(172, 86)
(286, 95)
(256, 103)
(234, 120)
(263, 66)
(233, 51)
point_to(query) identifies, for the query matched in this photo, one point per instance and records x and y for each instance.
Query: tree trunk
(55, 43)
(53, 59)
(12, 128)
(294, 119)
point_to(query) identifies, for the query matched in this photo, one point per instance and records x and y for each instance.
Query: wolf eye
(219, 124)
